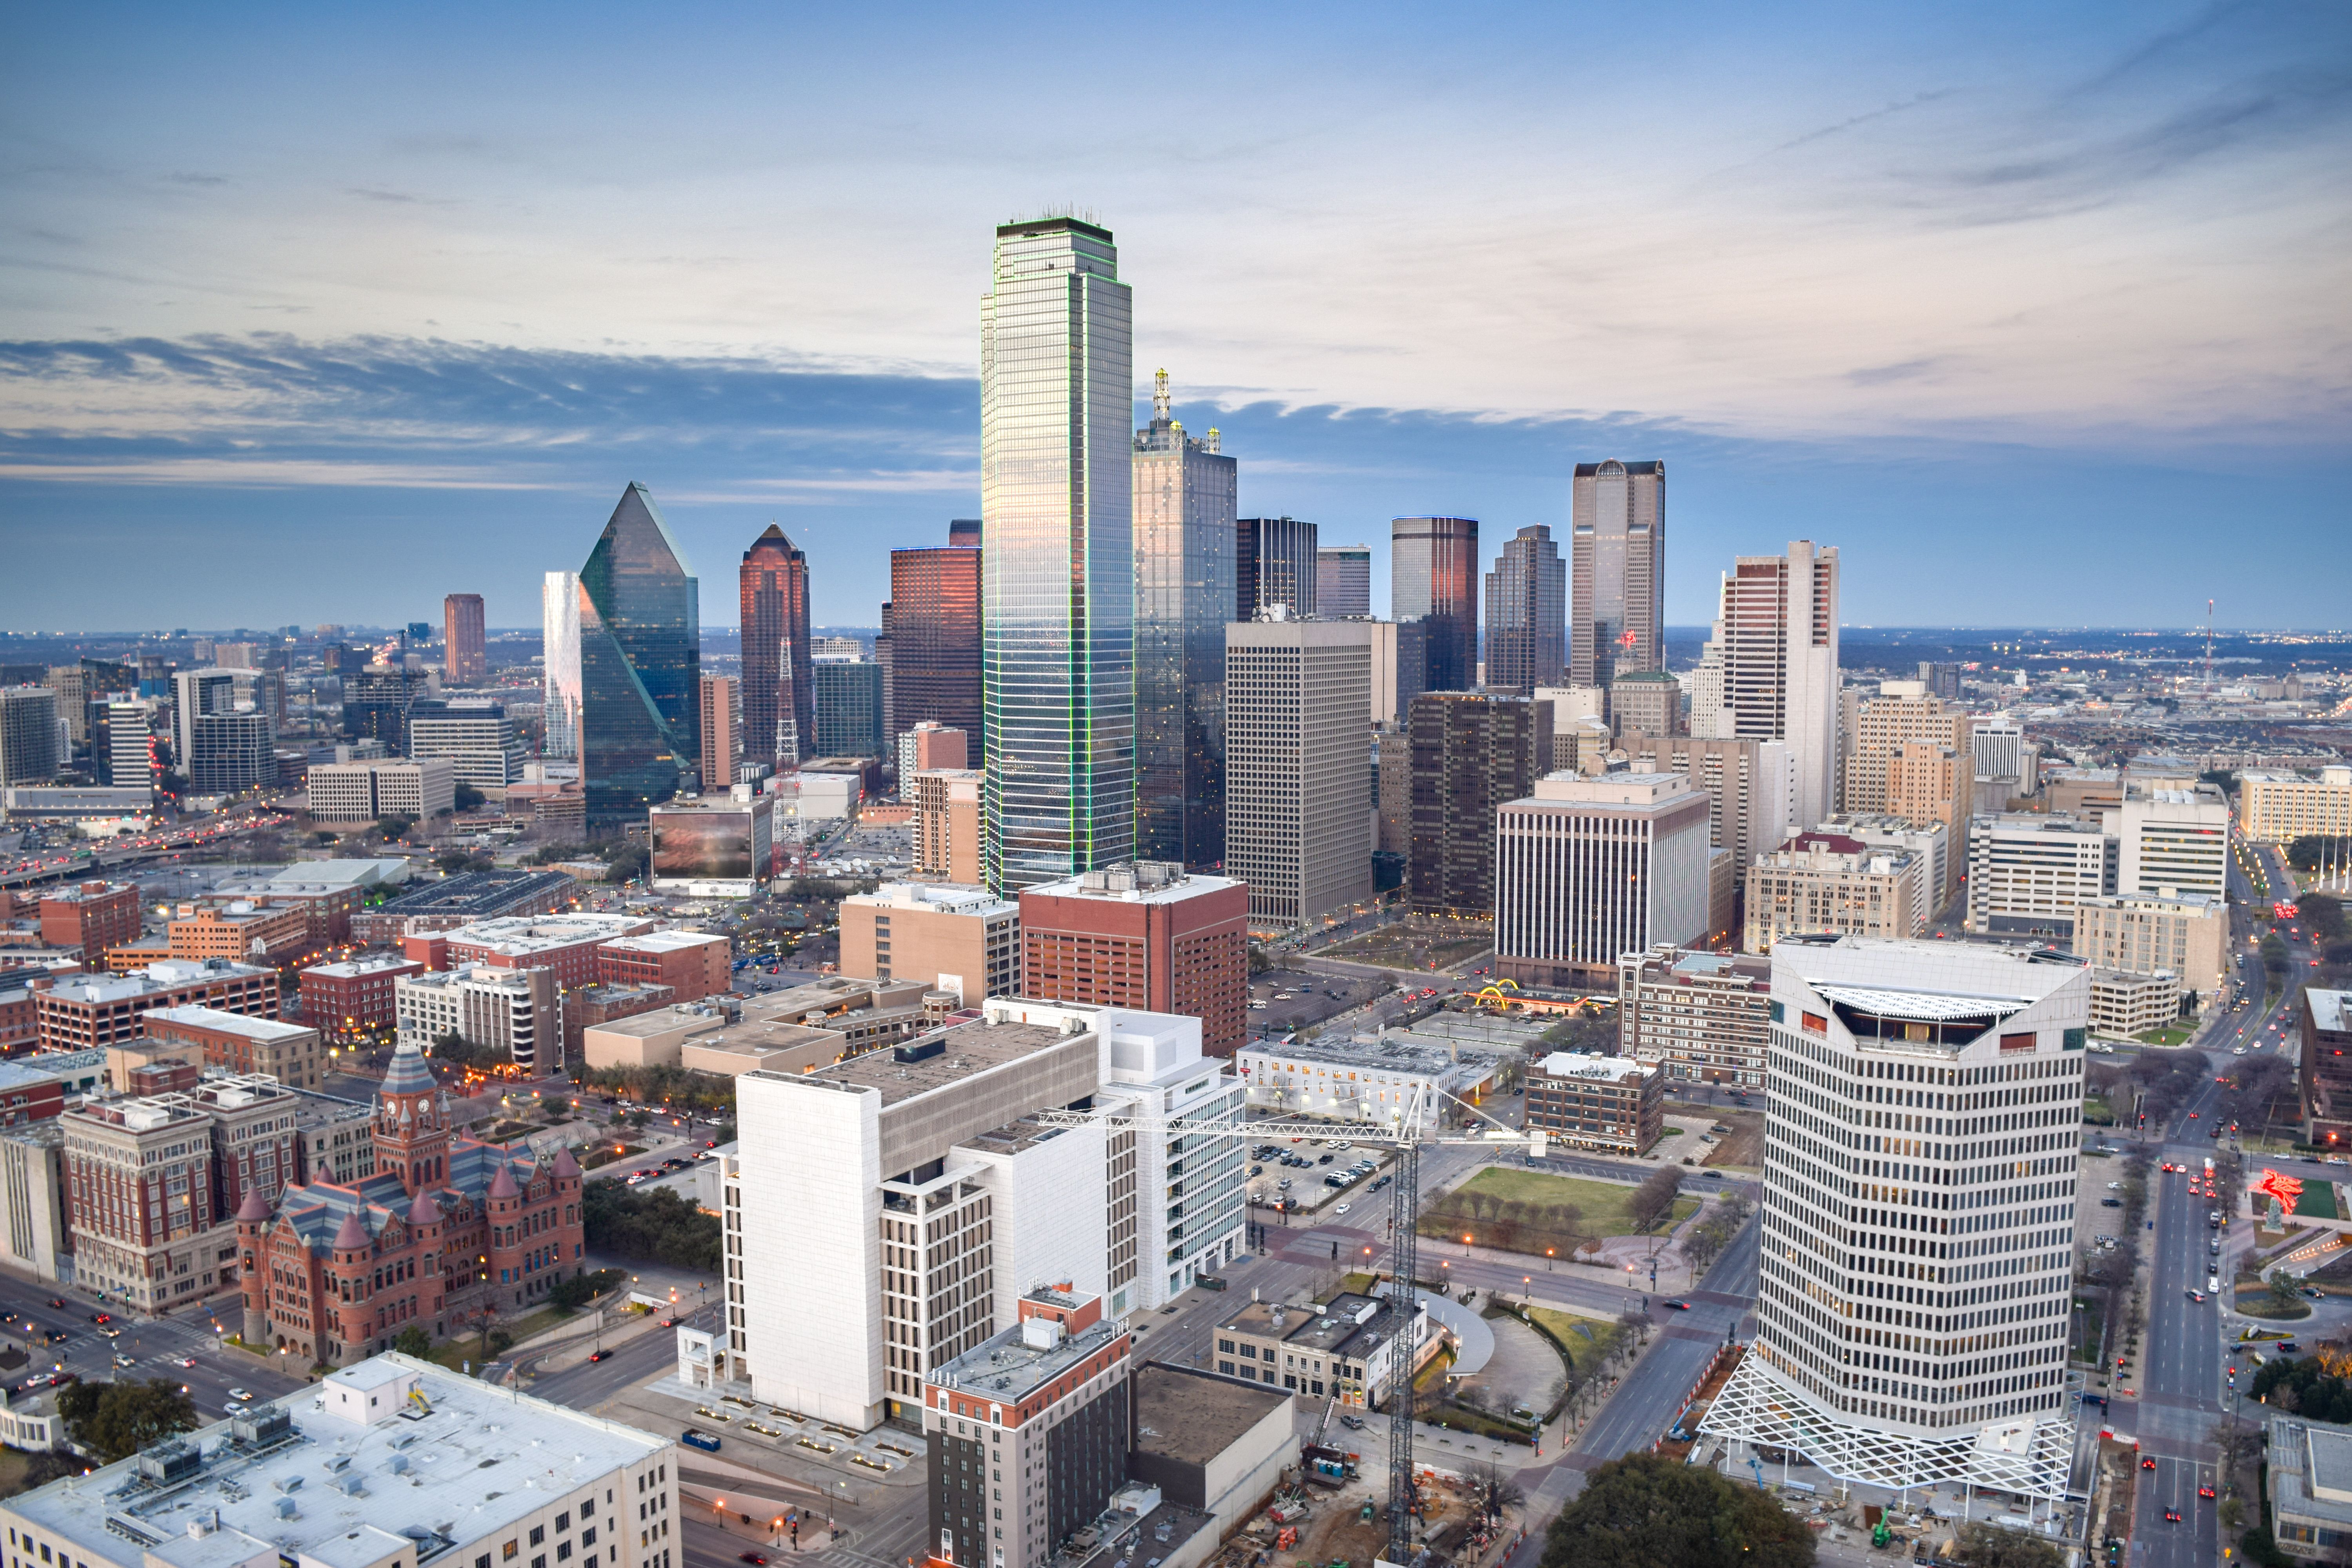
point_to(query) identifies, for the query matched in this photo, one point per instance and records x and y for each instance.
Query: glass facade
(848, 707)
(1527, 614)
(779, 698)
(640, 665)
(1058, 574)
(1343, 581)
(1433, 578)
(1275, 563)
(559, 609)
(935, 641)
(1185, 492)
(1617, 612)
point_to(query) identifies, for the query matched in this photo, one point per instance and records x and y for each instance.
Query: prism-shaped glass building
(640, 665)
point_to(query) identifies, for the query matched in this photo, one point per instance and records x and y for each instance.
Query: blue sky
(2037, 313)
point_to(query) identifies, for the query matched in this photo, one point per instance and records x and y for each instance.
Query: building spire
(1159, 400)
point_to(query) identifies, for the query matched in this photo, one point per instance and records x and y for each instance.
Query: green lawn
(1588, 1339)
(2166, 1038)
(2317, 1201)
(1517, 1211)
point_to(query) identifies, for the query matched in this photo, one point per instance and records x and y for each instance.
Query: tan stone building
(2279, 807)
(2124, 1004)
(286, 1052)
(1827, 882)
(947, 936)
(1876, 728)
(2187, 934)
(948, 825)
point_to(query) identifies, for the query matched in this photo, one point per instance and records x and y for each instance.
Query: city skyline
(1895, 312)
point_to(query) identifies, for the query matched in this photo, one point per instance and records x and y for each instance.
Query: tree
(115, 1420)
(2324, 912)
(468, 797)
(656, 1225)
(2234, 1442)
(414, 1341)
(1655, 1198)
(1983, 1546)
(1660, 1512)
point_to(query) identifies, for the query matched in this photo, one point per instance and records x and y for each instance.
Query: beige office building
(2187, 934)
(1698, 1017)
(1586, 869)
(2279, 807)
(1876, 728)
(961, 940)
(2124, 1004)
(2028, 873)
(361, 792)
(1749, 786)
(2168, 835)
(1827, 882)
(948, 825)
(1298, 792)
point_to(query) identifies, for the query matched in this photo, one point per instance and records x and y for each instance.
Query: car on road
(1341, 1209)
(2148, 1463)
(756, 1559)
(2198, 1297)
(187, 1360)
(2111, 1202)
(2205, 1491)
(102, 1317)
(598, 1354)
(57, 1300)
(240, 1395)
(2171, 1515)
(1677, 1306)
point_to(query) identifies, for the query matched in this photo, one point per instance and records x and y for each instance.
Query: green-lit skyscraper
(1058, 572)
(640, 665)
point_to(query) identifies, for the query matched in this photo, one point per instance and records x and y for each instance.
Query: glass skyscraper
(779, 697)
(559, 610)
(1527, 614)
(1433, 577)
(1617, 608)
(1185, 492)
(1056, 388)
(1274, 563)
(640, 665)
(934, 665)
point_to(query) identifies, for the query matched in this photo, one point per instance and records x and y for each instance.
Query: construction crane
(1412, 1126)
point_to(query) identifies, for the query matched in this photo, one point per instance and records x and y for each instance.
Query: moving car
(2148, 1463)
(1679, 1306)
(240, 1395)
(2197, 1296)
(2172, 1516)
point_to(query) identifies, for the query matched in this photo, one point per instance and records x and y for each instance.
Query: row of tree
(653, 1225)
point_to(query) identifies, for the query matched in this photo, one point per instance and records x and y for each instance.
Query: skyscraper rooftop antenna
(1160, 399)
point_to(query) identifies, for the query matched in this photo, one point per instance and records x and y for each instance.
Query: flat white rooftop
(343, 1473)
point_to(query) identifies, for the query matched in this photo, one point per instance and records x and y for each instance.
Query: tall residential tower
(1779, 642)
(1057, 577)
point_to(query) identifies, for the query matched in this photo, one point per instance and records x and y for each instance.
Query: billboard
(703, 847)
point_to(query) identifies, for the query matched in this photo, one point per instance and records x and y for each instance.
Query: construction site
(1334, 1515)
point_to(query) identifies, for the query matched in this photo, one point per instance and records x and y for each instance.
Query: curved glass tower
(640, 665)
(1058, 574)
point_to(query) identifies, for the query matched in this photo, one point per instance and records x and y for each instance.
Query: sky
(2038, 312)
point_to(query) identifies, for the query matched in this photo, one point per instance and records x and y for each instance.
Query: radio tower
(2209, 646)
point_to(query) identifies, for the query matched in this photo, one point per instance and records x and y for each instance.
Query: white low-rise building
(391, 1463)
(885, 1214)
(519, 1011)
(1376, 1081)
(2124, 1004)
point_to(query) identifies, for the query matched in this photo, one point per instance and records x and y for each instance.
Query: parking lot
(1282, 1000)
(1294, 1177)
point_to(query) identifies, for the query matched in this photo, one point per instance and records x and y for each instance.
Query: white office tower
(1922, 1123)
(1298, 794)
(558, 602)
(2008, 767)
(1703, 691)
(1779, 641)
(887, 1212)
(2172, 835)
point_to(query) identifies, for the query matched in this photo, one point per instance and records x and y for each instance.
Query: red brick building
(447, 1230)
(352, 999)
(566, 944)
(691, 964)
(92, 917)
(85, 1010)
(1145, 935)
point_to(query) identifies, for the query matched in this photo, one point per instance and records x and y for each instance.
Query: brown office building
(1587, 1101)
(1471, 754)
(961, 940)
(948, 825)
(92, 917)
(1143, 935)
(2326, 1017)
(723, 740)
(935, 641)
(465, 658)
(779, 685)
